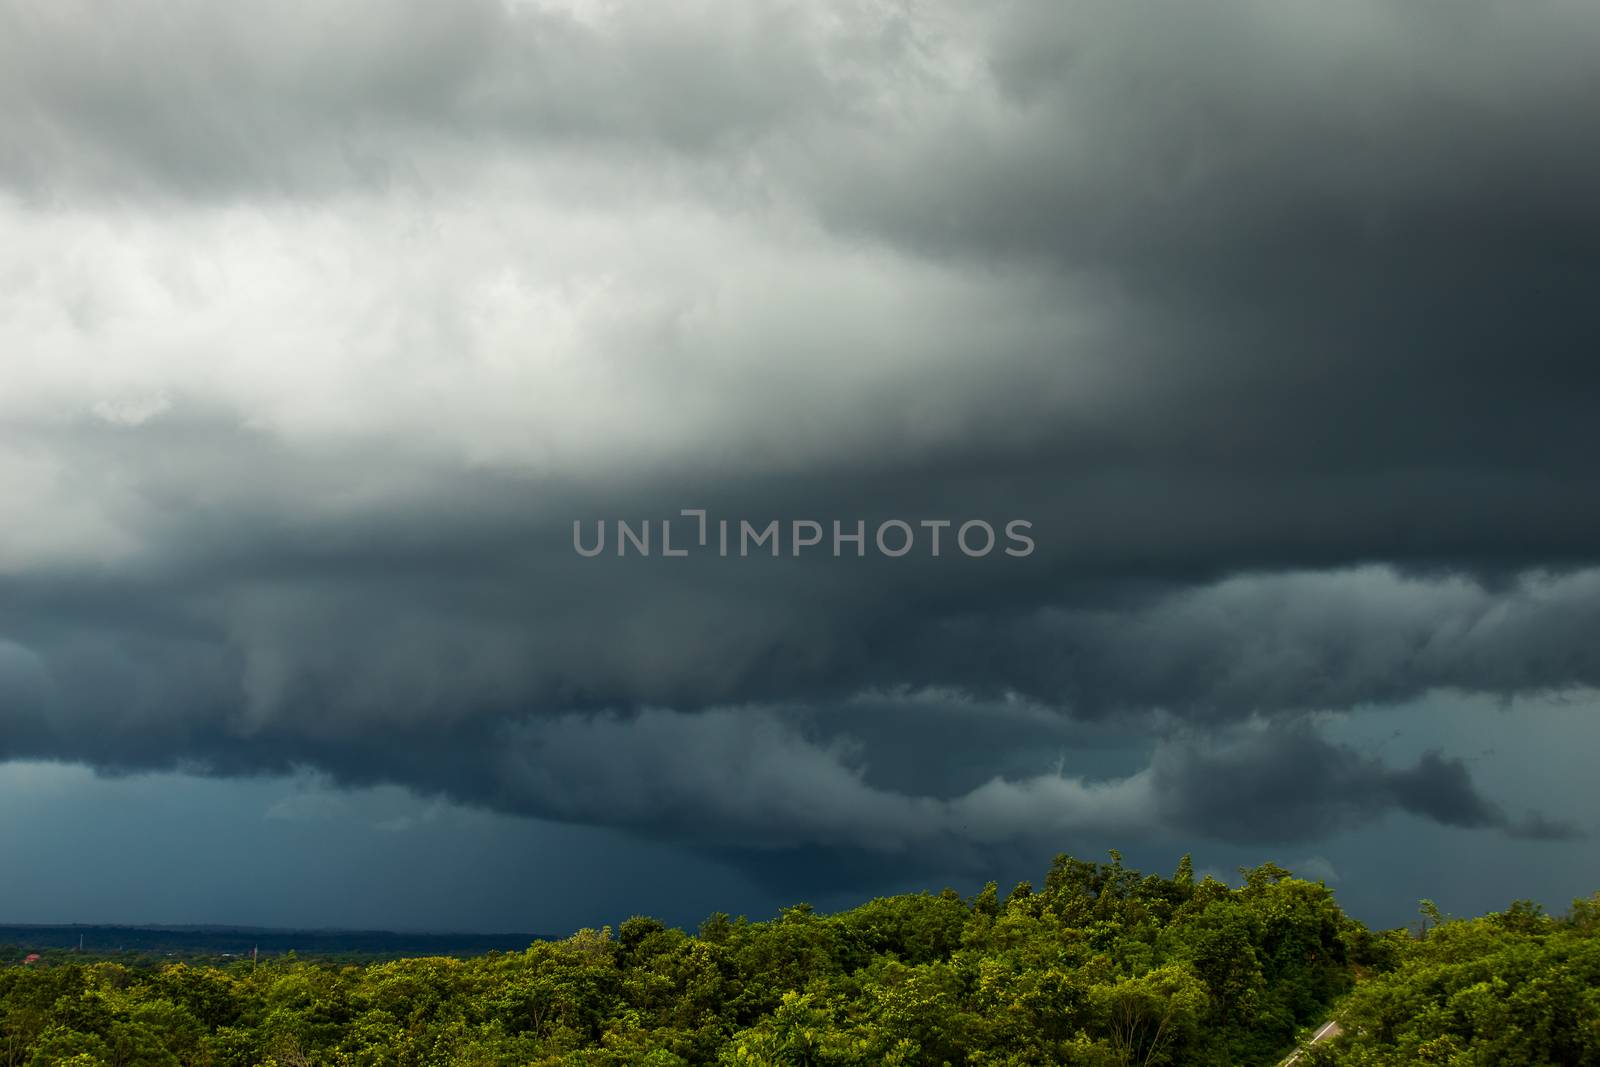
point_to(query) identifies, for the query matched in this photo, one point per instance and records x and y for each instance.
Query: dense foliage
(1518, 988)
(1101, 965)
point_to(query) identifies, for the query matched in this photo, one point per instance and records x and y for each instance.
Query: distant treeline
(214, 942)
(1101, 966)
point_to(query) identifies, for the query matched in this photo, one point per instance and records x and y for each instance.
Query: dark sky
(322, 325)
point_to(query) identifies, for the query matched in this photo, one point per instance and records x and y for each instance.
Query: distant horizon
(1380, 913)
(243, 929)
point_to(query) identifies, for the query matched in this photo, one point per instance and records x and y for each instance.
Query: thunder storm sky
(321, 324)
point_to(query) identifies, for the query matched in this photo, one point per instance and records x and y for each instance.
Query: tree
(1152, 1014)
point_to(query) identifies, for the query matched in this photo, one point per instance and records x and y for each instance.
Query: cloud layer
(322, 329)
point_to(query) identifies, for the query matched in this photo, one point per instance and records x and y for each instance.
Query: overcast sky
(321, 325)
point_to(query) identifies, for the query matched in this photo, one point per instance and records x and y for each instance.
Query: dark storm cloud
(453, 642)
(1275, 320)
(1284, 784)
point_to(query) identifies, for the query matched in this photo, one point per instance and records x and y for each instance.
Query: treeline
(1101, 965)
(145, 945)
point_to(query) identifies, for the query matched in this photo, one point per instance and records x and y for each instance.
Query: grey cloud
(1286, 783)
(1442, 790)
(387, 695)
(1536, 826)
(1275, 320)
(758, 778)
(197, 99)
(460, 596)
(452, 642)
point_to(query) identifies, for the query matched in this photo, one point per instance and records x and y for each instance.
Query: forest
(1099, 965)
